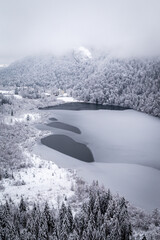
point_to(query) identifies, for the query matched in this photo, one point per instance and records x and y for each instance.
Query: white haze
(123, 27)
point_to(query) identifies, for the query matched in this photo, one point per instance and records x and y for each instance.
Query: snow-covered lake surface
(125, 146)
(64, 126)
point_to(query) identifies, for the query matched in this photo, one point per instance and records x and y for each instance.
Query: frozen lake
(125, 147)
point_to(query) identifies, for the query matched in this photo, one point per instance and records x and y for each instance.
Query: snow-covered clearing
(10, 93)
(67, 99)
(44, 181)
(32, 117)
(116, 139)
(7, 92)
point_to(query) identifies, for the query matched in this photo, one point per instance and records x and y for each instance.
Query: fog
(123, 27)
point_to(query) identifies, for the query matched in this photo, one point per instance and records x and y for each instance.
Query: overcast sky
(124, 27)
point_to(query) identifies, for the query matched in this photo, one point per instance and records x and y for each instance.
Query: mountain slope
(92, 76)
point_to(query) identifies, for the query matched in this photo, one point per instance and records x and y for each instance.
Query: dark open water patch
(68, 146)
(64, 126)
(82, 106)
(53, 119)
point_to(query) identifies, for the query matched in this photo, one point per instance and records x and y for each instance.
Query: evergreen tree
(70, 218)
(62, 213)
(22, 205)
(144, 237)
(123, 219)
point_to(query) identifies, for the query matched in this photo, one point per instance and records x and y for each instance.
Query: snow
(117, 136)
(47, 94)
(6, 92)
(11, 120)
(3, 65)
(125, 145)
(85, 51)
(10, 93)
(44, 181)
(17, 96)
(64, 98)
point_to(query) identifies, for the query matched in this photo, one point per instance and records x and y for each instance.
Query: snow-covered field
(32, 117)
(43, 181)
(124, 144)
(10, 94)
(66, 99)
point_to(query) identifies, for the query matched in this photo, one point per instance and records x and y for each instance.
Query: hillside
(92, 77)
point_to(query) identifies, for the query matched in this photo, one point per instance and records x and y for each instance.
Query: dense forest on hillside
(102, 79)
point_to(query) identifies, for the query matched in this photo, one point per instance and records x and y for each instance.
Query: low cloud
(37, 26)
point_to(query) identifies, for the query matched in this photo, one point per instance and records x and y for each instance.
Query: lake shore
(132, 173)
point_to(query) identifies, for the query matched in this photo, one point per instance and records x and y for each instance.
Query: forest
(102, 79)
(102, 216)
